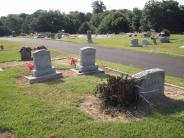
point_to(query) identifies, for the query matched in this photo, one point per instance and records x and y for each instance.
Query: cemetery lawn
(123, 41)
(52, 108)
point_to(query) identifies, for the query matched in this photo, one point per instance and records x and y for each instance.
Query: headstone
(87, 60)
(1, 47)
(43, 69)
(25, 53)
(164, 40)
(134, 42)
(145, 42)
(147, 34)
(154, 40)
(89, 36)
(151, 82)
(52, 35)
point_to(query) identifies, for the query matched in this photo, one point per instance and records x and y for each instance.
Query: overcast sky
(30, 6)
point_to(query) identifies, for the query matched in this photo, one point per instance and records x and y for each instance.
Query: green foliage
(86, 26)
(119, 91)
(98, 7)
(156, 15)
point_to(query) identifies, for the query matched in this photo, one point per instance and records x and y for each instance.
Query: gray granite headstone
(164, 40)
(42, 63)
(87, 60)
(145, 42)
(43, 69)
(151, 82)
(134, 42)
(89, 36)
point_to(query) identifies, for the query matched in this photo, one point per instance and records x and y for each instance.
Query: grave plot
(158, 96)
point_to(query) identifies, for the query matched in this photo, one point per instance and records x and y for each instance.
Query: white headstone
(42, 63)
(87, 60)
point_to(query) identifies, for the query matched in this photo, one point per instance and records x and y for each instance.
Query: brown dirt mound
(94, 108)
(7, 135)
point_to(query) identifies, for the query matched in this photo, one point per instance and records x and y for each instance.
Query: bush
(119, 91)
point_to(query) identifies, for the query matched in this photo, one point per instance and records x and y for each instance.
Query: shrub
(119, 91)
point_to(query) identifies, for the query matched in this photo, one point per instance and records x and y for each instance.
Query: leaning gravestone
(151, 82)
(43, 69)
(25, 53)
(87, 60)
(134, 42)
(89, 36)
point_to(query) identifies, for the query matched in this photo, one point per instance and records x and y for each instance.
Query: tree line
(156, 15)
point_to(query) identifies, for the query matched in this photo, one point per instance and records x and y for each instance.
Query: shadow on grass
(166, 105)
(100, 75)
(53, 82)
(2, 130)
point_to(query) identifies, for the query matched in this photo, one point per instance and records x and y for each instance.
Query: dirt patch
(67, 73)
(174, 92)
(94, 108)
(12, 64)
(21, 80)
(7, 135)
(112, 72)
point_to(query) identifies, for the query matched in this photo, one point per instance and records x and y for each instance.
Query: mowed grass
(52, 109)
(11, 51)
(123, 41)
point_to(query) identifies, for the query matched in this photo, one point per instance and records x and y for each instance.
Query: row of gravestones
(135, 42)
(150, 82)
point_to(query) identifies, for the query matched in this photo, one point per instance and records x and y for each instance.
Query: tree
(98, 7)
(135, 20)
(85, 27)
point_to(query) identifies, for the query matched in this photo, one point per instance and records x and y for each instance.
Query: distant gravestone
(89, 36)
(43, 69)
(151, 82)
(164, 40)
(154, 40)
(87, 60)
(134, 42)
(145, 42)
(1, 47)
(25, 53)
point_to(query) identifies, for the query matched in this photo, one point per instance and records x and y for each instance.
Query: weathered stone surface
(151, 82)
(89, 37)
(25, 53)
(87, 60)
(42, 63)
(134, 43)
(43, 69)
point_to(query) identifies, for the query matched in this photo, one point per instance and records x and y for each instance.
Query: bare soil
(7, 135)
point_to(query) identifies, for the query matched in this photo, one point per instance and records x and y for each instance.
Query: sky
(30, 6)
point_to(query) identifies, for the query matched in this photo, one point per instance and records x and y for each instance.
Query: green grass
(124, 43)
(52, 108)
